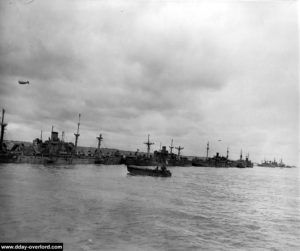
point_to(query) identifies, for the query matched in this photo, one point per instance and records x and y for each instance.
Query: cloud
(190, 71)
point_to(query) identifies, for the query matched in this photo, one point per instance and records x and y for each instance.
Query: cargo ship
(138, 159)
(174, 159)
(54, 151)
(57, 151)
(171, 159)
(274, 164)
(109, 159)
(222, 161)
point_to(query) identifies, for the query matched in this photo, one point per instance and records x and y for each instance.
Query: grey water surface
(90, 207)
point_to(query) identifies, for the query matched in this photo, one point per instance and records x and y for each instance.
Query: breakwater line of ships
(57, 151)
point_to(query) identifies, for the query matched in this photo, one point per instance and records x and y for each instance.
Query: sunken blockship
(56, 150)
(274, 163)
(53, 151)
(222, 161)
(173, 159)
(170, 158)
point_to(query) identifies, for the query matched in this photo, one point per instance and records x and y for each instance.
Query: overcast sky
(226, 72)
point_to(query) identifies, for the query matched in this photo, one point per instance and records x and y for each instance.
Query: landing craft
(23, 82)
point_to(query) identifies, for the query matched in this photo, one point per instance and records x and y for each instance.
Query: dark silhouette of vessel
(6, 156)
(176, 159)
(274, 164)
(108, 159)
(54, 151)
(159, 171)
(171, 159)
(222, 161)
(146, 171)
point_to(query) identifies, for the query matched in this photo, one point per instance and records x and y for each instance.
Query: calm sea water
(93, 207)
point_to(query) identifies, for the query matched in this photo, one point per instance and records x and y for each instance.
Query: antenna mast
(207, 149)
(179, 148)
(148, 143)
(171, 146)
(3, 125)
(100, 138)
(77, 134)
(52, 133)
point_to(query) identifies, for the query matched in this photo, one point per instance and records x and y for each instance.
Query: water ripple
(102, 208)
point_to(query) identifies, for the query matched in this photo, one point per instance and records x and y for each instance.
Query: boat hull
(154, 162)
(134, 161)
(137, 170)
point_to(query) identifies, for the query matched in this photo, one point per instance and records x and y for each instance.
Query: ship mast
(241, 155)
(3, 125)
(207, 149)
(148, 143)
(52, 133)
(179, 148)
(77, 134)
(227, 156)
(100, 138)
(171, 146)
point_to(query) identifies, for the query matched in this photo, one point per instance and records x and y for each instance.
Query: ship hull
(7, 157)
(222, 163)
(109, 160)
(182, 163)
(55, 160)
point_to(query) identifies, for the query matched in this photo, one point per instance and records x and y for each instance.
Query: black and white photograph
(156, 125)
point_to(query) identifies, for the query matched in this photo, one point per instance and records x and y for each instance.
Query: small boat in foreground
(157, 172)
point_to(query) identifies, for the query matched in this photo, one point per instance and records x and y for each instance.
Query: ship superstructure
(170, 158)
(274, 163)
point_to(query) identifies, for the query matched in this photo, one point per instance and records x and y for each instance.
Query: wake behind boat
(157, 172)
